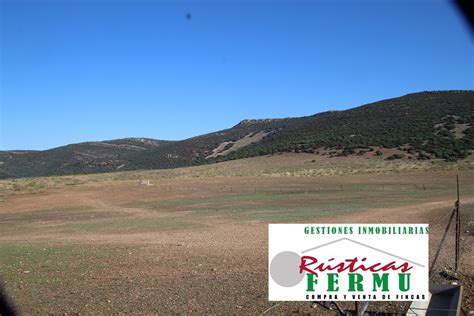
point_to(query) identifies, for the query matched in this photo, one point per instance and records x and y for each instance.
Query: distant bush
(396, 156)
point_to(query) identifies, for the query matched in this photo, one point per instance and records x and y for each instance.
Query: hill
(426, 125)
(88, 157)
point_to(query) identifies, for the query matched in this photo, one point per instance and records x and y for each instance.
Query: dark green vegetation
(89, 157)
(430, 124)
(424, 125)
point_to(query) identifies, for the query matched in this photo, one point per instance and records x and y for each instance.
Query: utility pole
(458, 227)
(455, 214)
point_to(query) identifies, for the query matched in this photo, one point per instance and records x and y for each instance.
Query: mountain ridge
(424, 125)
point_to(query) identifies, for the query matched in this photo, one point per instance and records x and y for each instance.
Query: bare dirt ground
(196, 241)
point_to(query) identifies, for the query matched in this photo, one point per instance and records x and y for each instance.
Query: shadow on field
(6, 306)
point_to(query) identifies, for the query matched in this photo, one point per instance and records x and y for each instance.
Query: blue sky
(81, 70)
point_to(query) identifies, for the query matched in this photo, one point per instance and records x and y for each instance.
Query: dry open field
(195, 240)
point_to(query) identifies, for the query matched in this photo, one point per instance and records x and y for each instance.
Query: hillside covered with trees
(426, 125)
